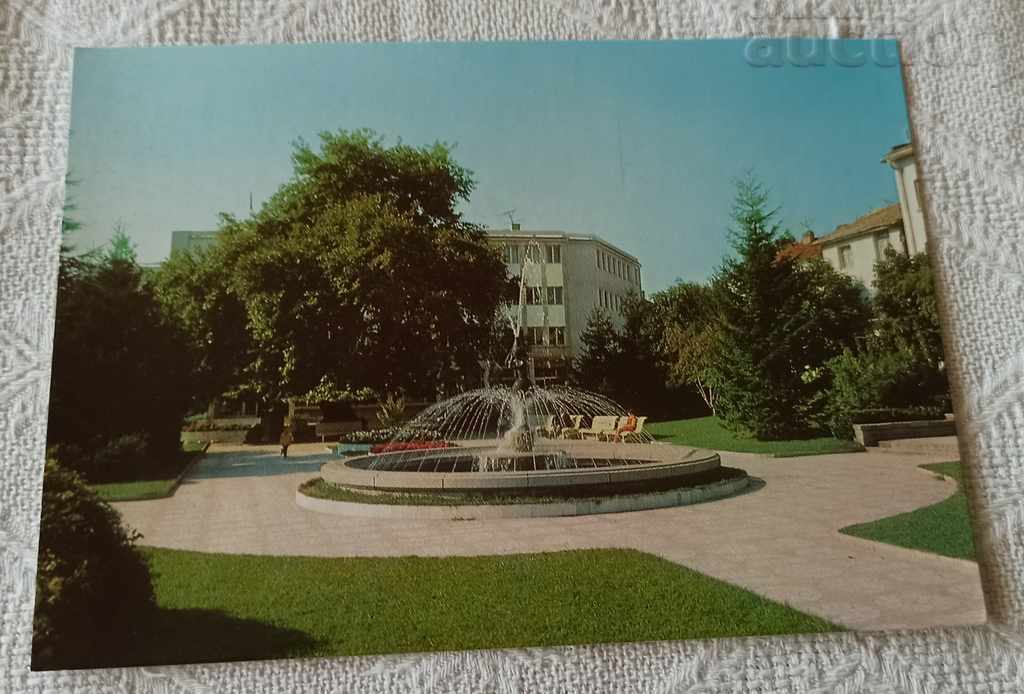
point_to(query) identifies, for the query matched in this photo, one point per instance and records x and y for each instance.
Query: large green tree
(119, 366)
(640, 380)
(689, 337)
(780, 319)
(359, 272)
(905, 307)
(598, 364)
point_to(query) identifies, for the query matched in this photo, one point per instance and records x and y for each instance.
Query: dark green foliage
(900, 364)
(876, 379)
(642, 374)
(119, 367)
(689, 338)
(596, 368)
(906, 309)
(897, 414)
(93, 590)
(708, 432)
(779, 320)
(358, 273)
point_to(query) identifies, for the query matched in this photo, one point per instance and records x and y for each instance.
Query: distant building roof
(801, 250)
(898, 152)
(557, 234)
(876, 220)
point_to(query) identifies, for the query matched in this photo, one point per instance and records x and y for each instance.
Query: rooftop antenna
(512, 224)
(250, 202)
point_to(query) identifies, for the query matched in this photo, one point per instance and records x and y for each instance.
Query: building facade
(185, 240)
(567, 276)
(854, 248)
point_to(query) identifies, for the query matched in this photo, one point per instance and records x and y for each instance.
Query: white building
(578, 273)
(854, 248)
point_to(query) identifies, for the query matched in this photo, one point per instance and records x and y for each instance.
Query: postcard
(388, 348)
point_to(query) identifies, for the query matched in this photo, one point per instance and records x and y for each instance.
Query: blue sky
(637, 142)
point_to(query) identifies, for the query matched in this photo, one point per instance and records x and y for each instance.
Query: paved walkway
(780, 541)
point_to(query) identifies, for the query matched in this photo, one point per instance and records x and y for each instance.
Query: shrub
(125, 458)
(214, 426)
(93, 589)
(391, 411)
(875, 380)
(256, 434)
(370, 436)
(897, 414)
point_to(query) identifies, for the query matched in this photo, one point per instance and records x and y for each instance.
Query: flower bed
(409, 446)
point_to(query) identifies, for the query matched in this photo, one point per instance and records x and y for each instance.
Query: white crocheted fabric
(964, 64)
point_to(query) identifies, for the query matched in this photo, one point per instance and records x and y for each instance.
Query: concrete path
(780, 541)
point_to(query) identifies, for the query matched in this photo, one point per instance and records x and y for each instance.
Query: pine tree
(597, 365)
(780, 319)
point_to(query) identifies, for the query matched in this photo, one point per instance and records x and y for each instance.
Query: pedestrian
(286, 440)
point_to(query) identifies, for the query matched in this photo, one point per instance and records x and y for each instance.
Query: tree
(640, 378)
(905, 307)
(899, 370)
(118, 366)
(779, 320)
(121, 246)
(689, 337)
(597, 364)
(359, 271)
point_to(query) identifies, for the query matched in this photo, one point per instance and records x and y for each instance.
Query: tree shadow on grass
(178, 636)
(204, 636)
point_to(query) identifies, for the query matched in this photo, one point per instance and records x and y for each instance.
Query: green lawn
(160, 484)
(943, 528)
(230, 607)
(708, 432)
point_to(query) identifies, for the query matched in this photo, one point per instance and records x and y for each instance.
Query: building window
(534, 296)
(556, 336)
(555, 296)
(845, 258)
(512, 254)
(535, 336)
(597, 254)
(882, 243)
(554, 253)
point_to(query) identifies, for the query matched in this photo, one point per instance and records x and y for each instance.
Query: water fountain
(527, 440)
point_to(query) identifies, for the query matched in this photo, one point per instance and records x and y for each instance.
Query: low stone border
(664, 462)
(582, 507)
(871, 434)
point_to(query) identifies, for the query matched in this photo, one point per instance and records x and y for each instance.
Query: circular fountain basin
(553, 468)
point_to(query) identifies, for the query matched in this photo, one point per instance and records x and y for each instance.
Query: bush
(369, 436)
(871, 381)
(127, 457)
(214, 426)
(93, 589)
(897, 414)
(256, 434)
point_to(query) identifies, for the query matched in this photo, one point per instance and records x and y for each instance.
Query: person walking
(286, 440)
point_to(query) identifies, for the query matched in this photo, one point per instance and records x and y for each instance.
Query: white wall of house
(864, 250)
(910, 202)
